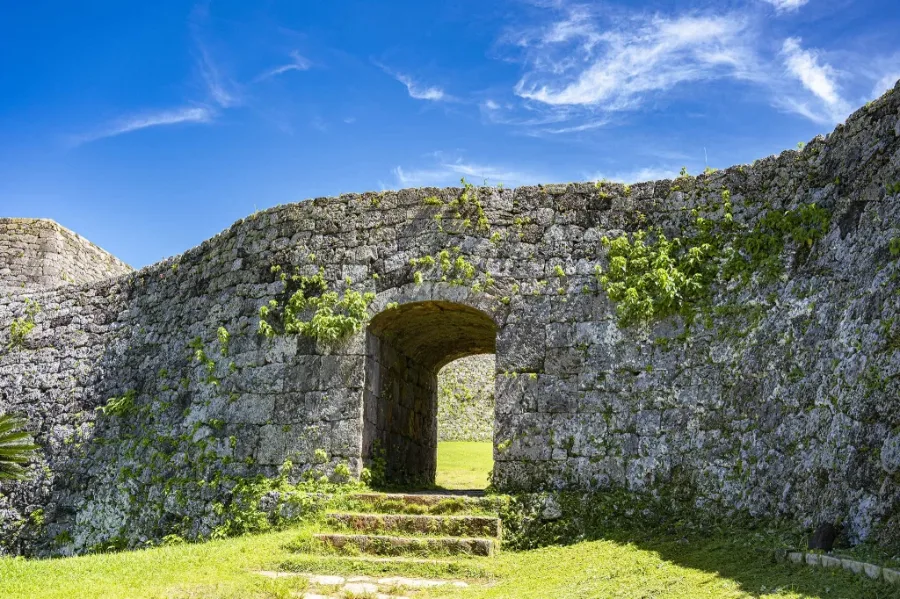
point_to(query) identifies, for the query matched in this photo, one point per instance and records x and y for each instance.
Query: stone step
(450, 526)
(450, 566)
(391, 545)
(460, 566)
(434, 503)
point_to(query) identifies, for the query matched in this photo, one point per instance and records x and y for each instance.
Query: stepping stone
(325, 580)
(389, 545)
(360, 588)
(457, 526)
(420, 583)
(271, 574)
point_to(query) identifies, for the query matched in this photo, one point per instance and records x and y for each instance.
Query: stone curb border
(873, 571)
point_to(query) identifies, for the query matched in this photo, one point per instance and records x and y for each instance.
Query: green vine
(333, 316)
(452, 267)
(20, 327)
(120, 406)
(468, 207)
(650, 276)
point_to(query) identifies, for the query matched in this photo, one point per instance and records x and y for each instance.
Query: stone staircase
(422, 525)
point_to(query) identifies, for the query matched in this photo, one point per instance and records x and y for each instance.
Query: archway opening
(406, 347)
(465, 405)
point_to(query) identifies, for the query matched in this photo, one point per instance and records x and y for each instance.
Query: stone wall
(36, 252)
(771, 389)
(466, 400)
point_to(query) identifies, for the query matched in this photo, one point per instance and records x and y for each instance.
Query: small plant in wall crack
(200, 356)
(120, 406)
(224, 338)
(23, 325)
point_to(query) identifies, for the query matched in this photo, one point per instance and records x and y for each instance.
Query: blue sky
(148, 127)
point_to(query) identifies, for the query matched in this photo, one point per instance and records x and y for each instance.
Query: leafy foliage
(16, 447)
(763, 245)
(468, 207)
(120, 406)
(650, 276)
(894, 247)
(246, 512)
(334, 316)
(452, 267)
(654, 279)
(20, 327)
(224, 338)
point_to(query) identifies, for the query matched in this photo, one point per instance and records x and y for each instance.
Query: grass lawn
(702, 568)
(464, 464)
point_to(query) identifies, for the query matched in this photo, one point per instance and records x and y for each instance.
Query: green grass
(464, 464)
(713, 568)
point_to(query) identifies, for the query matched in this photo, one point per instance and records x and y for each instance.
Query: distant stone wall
(466, 400)
(767, 384)
(36, 252)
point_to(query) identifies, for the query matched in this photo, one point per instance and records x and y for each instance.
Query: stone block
(873, 571)
(852, 565)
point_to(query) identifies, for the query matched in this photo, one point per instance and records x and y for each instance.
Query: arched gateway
(731, 337)
(406, 346)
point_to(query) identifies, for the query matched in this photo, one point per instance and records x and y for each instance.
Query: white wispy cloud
(196, 114)
(617, 68)
(804, 65)
(585, 65)
(447, 171)
(420, 92)
(818, 78)
(885, 83)
(786, 5)
(416, 89)
(298, 63)
(222, 90)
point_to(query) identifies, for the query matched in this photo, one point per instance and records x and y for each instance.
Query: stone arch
(406, 345)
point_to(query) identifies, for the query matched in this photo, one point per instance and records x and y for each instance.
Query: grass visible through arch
(464, 465)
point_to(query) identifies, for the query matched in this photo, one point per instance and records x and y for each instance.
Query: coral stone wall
(756, 371)
(36, 252)
(466, 400)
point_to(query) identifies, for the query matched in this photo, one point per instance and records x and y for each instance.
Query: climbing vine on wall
(23, 325)
(654, 279)
(650, 276)
(450, 266)
(314, 310)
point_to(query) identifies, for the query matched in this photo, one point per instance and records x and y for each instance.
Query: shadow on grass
(755, 569)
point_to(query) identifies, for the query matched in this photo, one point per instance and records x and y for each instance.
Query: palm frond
(16, 447)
